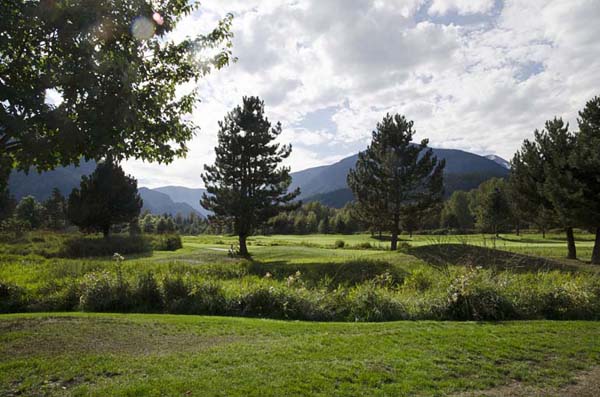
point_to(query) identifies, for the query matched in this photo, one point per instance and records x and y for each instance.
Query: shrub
(176, 293)
(365, 245)
(273, 303)
(339, 244)
(207, 298)
(104, 292)
(471, 298)
(63, 296)
(12, 298)
(370, 303)
(166, 242)
(419, 280)
(146, 296)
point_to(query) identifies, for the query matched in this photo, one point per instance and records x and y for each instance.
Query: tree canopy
(395, 179)
(105, 198)
(95, 78)
(246, 184)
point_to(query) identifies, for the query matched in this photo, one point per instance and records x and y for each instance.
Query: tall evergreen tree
(557, 146)
(538, 170)
(246, 184)
(105, 198)
(393, 177)
(583, 193)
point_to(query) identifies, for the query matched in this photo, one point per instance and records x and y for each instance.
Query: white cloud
(462, 7)
(481, 86)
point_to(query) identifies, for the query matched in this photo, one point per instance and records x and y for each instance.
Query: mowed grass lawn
(109, 354)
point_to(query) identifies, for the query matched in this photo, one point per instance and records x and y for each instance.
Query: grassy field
(433, 277)
(100, 355)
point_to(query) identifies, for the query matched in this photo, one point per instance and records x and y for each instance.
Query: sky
(476, 75)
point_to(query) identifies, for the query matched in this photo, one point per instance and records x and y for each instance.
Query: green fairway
(99, 355)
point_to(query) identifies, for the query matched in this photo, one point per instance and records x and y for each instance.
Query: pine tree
(538, 176)
(246, 184)
(56, 210)
(557, 146)
(105, 198)
(585, 160)
(492, 209)
(395, 177)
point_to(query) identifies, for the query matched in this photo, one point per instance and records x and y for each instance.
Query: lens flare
(158, 18)
(142, 28)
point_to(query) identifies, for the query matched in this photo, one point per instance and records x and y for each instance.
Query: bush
(104, 292)
(272, 302)
(146, 296)
(83, 247)
(63, 296)
(339, 244)
(471, 298)
(176, 293)
(365, 246)
(12, 298)
(370, 303)
(166, 242)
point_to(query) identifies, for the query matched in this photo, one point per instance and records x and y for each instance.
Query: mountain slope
(499, 160)
(189, 196)
(327, 184)
(160, 203)
(40, 185)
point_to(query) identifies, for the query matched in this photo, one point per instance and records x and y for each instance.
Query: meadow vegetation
(319, 280)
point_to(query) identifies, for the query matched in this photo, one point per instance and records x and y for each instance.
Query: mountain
(160, 203)
(40, 185)
(499, 160)
(327, 184)
(189, 196)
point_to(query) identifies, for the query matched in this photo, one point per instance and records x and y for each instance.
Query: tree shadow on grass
(443, 255)
(338, 273)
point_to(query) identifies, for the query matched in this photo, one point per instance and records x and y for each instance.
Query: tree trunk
(106, 231)
(596, 251)
(518, 227)
(572, 250)
(394, 245)
(243, 248)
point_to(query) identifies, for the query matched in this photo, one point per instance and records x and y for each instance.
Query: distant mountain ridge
(40, 186)
(326, 184)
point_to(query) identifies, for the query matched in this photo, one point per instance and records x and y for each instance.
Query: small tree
(492, 208)
(246, 184)
(30, 212)
(105, 198)
(456, 212)
(56, 210)
(394, 178)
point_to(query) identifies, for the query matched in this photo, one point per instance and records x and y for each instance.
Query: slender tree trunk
(543, 232)
(596, 251)
(243, 248)
(572, 250)
(395, 228)
(394, 245)
(518, 226)
(106, 231)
